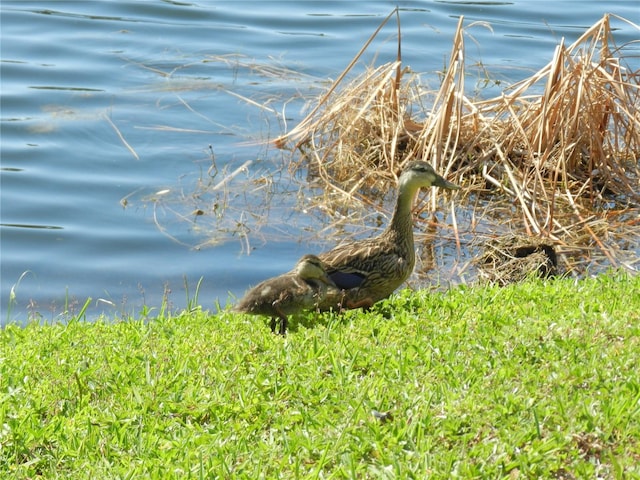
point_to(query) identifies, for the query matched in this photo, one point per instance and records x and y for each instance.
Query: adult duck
(370, 270)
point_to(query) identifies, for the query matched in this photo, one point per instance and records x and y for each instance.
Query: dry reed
(557, 152)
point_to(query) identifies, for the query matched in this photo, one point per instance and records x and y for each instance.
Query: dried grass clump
(571, 148)
(513, 258)
(562, 146)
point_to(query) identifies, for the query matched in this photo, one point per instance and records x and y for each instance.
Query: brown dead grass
(555, 156)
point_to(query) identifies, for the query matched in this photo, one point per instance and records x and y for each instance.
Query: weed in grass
(13, 295)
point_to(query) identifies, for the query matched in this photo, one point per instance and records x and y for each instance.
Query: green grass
(536, 380)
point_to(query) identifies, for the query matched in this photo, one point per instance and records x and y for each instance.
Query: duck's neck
(401, 226)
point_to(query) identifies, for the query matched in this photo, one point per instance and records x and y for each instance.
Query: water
(109, 110)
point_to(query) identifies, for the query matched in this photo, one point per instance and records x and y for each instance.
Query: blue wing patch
(345, 280)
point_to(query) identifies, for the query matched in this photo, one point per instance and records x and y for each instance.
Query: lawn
(534, 380)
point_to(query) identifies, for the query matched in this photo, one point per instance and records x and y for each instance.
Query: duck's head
(421, 174)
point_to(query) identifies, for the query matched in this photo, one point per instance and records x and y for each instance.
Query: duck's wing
(347, 280)
(349, 265)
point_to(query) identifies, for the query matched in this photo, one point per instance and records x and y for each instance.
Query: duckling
(301, 289)
(367, 271)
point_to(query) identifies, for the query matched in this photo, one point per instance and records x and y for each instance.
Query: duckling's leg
(283, 325)
(283, 321)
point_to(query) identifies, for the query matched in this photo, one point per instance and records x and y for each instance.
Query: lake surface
(120, 119)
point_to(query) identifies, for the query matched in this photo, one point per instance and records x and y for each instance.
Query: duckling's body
(370, 270)
(301, 289)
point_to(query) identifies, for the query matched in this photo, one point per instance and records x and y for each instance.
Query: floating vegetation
(228, 212)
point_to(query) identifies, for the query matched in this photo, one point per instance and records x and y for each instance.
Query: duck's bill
(442, 183)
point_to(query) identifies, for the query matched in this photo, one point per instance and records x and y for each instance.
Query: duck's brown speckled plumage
(370, 270)
(301, 289)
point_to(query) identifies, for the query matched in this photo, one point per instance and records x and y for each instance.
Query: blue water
(109, 110)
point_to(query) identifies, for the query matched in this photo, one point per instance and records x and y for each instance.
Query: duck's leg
(365, 304)
(348, 304)
(272, 324)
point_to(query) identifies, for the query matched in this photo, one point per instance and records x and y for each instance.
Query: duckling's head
(421, 174)
(310, 267)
